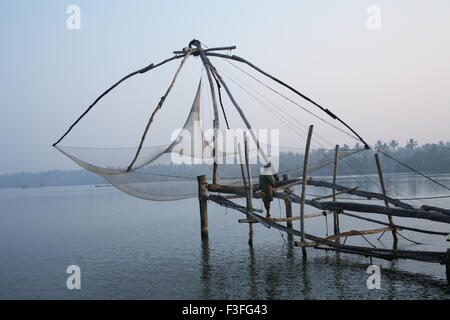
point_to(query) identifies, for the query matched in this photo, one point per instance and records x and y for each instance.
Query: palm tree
(394, 145)
(379, 145)
(411, 144)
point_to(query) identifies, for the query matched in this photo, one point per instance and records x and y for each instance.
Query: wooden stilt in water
(305, 173)
(250, 188)
(288, 206)
(383, 188)
(336, 214)
(447, 266)
(202, 198)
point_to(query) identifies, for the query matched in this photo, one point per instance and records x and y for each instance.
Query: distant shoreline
(428, 159)
(60, 178)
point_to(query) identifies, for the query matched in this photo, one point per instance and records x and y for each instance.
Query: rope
(290, 100)
(140, 71)
(220, 99)
(423, 175)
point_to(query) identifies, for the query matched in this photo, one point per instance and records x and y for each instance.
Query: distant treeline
(50, 178)
(428, 158)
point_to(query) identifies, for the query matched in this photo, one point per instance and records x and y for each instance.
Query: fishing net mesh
(169, 172)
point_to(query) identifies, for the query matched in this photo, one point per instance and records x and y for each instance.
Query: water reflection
(253, 274)
(206, 269)
(306, 290)
(42, 231)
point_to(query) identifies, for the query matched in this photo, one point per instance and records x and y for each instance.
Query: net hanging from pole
(168, 172)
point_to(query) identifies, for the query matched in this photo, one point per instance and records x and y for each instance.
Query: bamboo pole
(341, 206)
(361, 193)
(288, 205)
(203, 198)
(327, 111)
(307, 216)
(140, 71)
(250, 187)
(248, 192)
(447, 265)
(244, 179)
(244, 118)
(249, 172)
(305, 173)
(397, 226)
(383, 188)
(216, 126)
(335, 171)
(158, 107)
(389, 254)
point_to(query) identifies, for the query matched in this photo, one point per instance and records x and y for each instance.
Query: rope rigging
(214, 76)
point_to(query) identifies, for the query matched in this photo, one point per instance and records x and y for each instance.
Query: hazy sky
(390, 83)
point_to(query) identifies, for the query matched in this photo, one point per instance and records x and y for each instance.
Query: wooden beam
(342, 206)
(432, 208)
(365, 194)
(203, 202)
(305, 173)
(250, 188)
(243, 117)
(396, 225)
(335, 171)
(347, 234)
(358, 233)
(282, 185)
(233, 196)
(447, 266)
(206, 64)
(386, 203)
(289, 183)
(388, 254)
(305, 244)
(158, 107)
(288, 206)
(335, 194)
(307, 216)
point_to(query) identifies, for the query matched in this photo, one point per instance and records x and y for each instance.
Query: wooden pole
(341, 206)
(250, 187)
(288, 204)
(447, 266)
(202, 198)
(216, 126)
(305, 173)
(383, 188)
(247, 196)
(140, 71)
(158, 107)
(327, 111)
(428, 256)
(244, 118)
(249, 172)
(336, 214)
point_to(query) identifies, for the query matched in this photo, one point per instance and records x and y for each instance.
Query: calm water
(129, 248)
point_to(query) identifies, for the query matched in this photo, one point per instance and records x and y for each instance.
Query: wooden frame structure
(215, 191)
